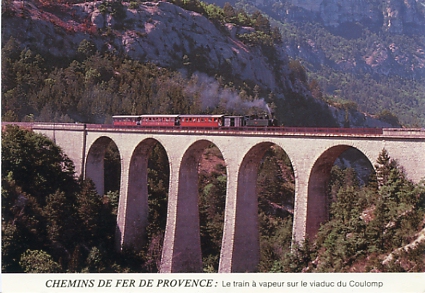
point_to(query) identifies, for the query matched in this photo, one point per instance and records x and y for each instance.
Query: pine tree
(229, 12)
(384, 165)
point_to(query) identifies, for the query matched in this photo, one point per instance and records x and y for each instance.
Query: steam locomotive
(194, 120)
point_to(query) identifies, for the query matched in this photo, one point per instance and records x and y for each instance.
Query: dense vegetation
(91, 88)
(50, 220)
(276, 195)
(373, 221)
(53, 222)
(94, 86)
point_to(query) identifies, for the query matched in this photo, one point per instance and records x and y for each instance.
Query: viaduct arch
(318, 183)
(95, 162)
(182, 243)
(133, 208)
(241, 230)
(311, 153)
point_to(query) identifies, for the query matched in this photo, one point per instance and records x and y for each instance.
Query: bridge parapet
(59, 126)
(233, 131)
(245, 131)
(404, 132)
(46, 125)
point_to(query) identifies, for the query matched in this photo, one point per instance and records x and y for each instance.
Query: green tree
(212, 192)
(229, 12)
(48, 225)
(60, 222)
(35, 163)
(275, 185)
(297, 260)
(212, 202)
(158, 180)
(384, 166)
(261, 23)
(38, 261)
(86, 48)
(89, 205)
(398, 209)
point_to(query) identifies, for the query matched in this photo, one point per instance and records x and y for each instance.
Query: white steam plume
(213, 96)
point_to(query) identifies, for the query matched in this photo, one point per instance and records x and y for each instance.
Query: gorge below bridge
(311, 151)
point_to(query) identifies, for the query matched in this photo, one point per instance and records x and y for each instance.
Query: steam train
(194, 120)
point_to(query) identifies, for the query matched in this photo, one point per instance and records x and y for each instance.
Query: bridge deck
(234, 131)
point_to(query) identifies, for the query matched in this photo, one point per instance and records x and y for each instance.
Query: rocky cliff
(163, 34)
(357, 19)
(397, 16)
(151, 32)
(160, 33)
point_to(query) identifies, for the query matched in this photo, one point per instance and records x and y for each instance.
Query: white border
(306, 282)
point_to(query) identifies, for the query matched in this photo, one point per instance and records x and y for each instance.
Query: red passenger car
(160, 120)
(201, 120)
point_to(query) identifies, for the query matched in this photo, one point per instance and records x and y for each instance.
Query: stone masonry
(311, 153)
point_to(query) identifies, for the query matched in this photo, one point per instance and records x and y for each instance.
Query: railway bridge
(312, 152)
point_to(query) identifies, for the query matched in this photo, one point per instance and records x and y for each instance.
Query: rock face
(335, 12)
(395, 15)
(400, 15)
(160, 33)
(378, 21)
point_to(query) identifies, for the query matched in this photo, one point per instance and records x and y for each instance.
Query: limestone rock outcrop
(162, 34)
(396, 15)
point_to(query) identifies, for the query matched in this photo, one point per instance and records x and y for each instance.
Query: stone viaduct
(312, 153)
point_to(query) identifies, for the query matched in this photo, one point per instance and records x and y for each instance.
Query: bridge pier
(227, 246)
(240, 250)
(182, 240)
(133, 209)
(299, 226)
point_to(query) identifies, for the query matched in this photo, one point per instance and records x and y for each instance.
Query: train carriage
(234, 121)
(173, 120)
(201, 120)
(160, 120)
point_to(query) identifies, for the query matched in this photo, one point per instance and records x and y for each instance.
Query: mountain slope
(168, 36)
(161, 33)
(369, 52)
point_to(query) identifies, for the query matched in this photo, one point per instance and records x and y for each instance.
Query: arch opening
(265, 205)
(212, 183)
(112, 169)
(145, 208)
(276, 199)
(158, 188)
(320, 193)
(103, 165)
(200, 209)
